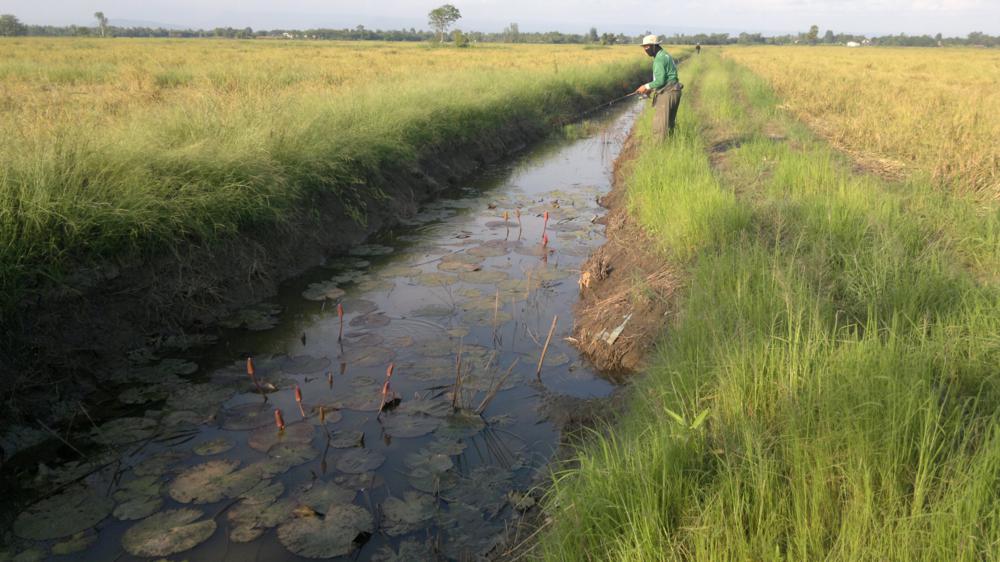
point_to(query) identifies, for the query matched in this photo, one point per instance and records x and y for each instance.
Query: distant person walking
(665, 89)
(697, 49)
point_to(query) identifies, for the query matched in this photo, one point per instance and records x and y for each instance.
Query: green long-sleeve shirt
(664, 70)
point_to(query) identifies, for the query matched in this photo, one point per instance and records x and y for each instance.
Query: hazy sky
(951, 17)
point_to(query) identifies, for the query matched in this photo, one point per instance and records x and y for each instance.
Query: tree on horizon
(102, 23)
(10, 26)
(441, 18)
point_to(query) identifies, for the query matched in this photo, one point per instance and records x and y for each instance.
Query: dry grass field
(116, 146)
(899, 110)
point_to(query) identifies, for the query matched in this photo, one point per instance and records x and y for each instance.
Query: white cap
(650, 40)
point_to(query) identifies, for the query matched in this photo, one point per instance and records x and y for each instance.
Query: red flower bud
(298, 394)
(279, 421)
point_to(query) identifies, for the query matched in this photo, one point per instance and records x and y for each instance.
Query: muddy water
(462, 295)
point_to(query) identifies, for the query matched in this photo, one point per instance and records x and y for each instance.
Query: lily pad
(158, 464)
(213, 447)
(247, 416)
(181, 420)
(203, 398)
(327, 290)
(500, 224)
(483, 276)
(264, 438)
(409, 551)
(398, 271)
(62, 515)
(485, 487)
(123, 431)
(462, 424)
(371, 320)
(319, 495)
(461, 257)
(482, 303)
(469, 535)
(305, 365)
(346, 439)
(435, 279)
(430, 471)
(292, 454)
(452, 266)
(487, 251)
(406, 515)
(402, 425)
(371, 250)
(363, 481)
(369, 400)
(486, 317)
(258, 511)
(77, 543)
(138, 487)
(357, 461)
(328, 536)
(204, 483)
(536, 250)
(439, 347)
(363, 339)
(167, 533)
(433, 311)
(435, 408)
(368, 356)
(369, 284)
(358, 306)
(138, 508)
(450, 447)
(138, 498)
(397, 342)
(251, 519)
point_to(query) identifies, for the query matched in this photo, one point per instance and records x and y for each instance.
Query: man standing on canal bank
(666, 90)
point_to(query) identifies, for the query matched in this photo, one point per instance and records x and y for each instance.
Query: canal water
(418, 358)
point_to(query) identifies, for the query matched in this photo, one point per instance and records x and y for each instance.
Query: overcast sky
(951, 17)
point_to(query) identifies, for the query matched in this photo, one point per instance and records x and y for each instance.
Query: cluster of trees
(443, 18)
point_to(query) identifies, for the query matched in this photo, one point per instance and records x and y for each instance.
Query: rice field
(900, 111)
(114, 148)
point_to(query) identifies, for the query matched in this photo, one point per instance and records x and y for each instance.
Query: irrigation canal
(196, 468)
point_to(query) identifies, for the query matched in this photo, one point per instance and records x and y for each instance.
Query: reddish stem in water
(340, 314)
(278, 420)
(251, 372)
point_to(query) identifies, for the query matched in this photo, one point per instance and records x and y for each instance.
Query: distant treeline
(10, 25)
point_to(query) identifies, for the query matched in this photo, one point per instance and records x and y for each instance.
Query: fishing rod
(605, 105)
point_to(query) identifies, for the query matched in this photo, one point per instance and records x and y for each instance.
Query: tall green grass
(830, 387)
(215, 165)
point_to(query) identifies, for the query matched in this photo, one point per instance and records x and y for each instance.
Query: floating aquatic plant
(167, 533)
(67, 513)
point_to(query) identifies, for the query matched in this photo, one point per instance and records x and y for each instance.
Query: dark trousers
(665, 103)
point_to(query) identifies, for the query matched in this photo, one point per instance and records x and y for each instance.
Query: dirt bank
(625, 286)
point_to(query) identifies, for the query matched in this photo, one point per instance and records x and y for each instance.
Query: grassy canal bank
(145, 182)
(828, 388)
(112, 148)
